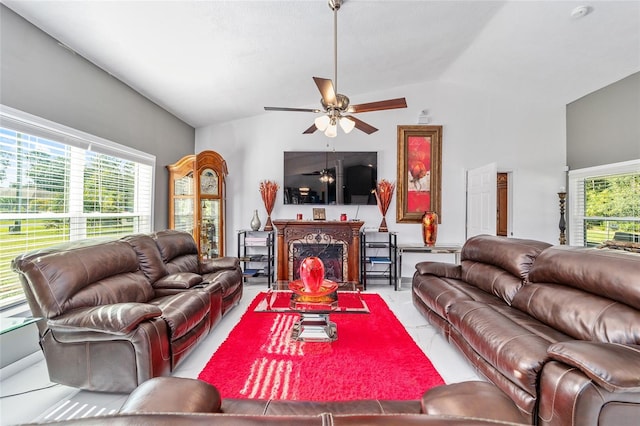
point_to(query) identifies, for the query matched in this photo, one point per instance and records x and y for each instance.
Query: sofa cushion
(491, 279)
(149, 256)
(219, 263)
(499, 265)
(179, 251)
(580, 314)
(514, 255)
(159, 395)
(614, 367)
(440, 269)
(227, 279)
(180, 280)
(507, 339)
(183, 311)
(120, 318)
(607, 273)
(471, 399)
(440, 293)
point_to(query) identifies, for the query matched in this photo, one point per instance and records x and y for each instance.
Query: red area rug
(373, 357)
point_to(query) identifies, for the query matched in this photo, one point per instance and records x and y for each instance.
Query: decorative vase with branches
(384, 193)
(268, 190)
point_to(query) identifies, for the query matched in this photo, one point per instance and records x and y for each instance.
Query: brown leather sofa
(556, 328)
(181, 401)
(118, 312)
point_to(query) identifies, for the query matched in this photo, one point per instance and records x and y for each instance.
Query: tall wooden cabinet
(197, 200)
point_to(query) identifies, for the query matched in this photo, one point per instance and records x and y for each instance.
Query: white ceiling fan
(335, 106)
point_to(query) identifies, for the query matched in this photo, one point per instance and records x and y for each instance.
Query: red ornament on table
(312, 274)
(430, 228)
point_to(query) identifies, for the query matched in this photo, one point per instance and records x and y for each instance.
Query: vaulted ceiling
(214, 61)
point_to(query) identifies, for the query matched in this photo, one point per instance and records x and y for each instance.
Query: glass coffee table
(314, 324)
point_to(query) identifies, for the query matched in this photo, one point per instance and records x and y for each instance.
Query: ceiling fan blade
(292, 109)
(326, 90)
(310, 130)
(378, 106)
(361, 125)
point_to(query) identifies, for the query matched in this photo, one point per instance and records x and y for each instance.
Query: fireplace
(332, 254)
(336, 243)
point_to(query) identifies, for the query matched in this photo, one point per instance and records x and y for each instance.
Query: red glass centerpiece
(312, 285)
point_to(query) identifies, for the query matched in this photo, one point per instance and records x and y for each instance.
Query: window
(58, 184)
(604, 204)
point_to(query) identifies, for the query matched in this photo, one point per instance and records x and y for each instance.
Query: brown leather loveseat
(556, 328)
(182, 401)
(118, 312)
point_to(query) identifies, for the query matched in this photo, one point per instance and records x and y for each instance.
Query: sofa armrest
(613, 366)
(119, 318)
(440, 269)
(180, 280)
(173, 395)
(219, 263)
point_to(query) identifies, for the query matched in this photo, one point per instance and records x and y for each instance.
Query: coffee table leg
(314, 328)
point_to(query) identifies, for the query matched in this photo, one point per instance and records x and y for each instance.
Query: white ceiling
(214, 61)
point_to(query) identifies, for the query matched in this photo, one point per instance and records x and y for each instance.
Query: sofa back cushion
(81, 274)
(611, 274)
(589, 294)
(498, 265)
(580, 314)
(149, 256)
(179, 251)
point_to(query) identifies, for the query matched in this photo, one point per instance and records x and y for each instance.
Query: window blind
(58, 184)
(604, 204)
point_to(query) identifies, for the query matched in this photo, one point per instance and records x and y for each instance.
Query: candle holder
(563, 224)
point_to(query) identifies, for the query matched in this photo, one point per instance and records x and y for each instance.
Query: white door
(481, 200)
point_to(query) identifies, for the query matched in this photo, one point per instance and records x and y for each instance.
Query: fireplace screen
(333, 255)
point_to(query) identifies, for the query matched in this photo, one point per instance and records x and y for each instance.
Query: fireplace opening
(332, 256)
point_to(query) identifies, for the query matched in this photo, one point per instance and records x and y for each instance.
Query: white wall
(524, 137)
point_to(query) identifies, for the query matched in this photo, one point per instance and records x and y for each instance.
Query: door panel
(481, 200)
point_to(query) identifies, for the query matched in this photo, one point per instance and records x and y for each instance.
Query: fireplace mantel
(342, 232)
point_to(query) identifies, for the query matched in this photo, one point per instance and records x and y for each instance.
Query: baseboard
(20, 365)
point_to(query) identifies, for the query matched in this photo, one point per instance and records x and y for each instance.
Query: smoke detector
(581, 11)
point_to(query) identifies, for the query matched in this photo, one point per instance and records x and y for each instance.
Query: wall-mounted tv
(331, 177)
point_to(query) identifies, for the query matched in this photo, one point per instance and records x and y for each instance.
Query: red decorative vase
(312, 274)
(430, 228)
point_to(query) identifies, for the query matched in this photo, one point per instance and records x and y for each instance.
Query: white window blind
(58, 184)
(604, 204)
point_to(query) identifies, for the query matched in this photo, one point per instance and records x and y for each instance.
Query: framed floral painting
(419, 172)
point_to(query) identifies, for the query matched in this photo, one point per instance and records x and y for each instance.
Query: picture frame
(319, 214)
(419, 172)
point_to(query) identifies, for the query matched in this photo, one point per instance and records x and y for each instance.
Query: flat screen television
(331, 177)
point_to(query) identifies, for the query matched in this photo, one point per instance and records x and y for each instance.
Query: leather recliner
(108, 320)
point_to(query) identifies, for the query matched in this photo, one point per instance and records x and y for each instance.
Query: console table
(343, 237)
(421, 248)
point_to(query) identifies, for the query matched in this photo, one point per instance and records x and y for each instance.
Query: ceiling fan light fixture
(347, 124)
(322, 122)
(332, 130)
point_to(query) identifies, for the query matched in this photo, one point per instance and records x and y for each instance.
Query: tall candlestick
(562, 225)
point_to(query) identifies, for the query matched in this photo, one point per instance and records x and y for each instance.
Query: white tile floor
(37, 399)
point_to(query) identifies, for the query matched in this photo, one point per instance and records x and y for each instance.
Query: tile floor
(36, 399)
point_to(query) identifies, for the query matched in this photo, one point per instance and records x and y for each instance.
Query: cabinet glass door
(209, 228)
(183, 215)
(183, 210)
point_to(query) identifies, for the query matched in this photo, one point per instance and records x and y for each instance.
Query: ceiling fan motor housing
(342, 103)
